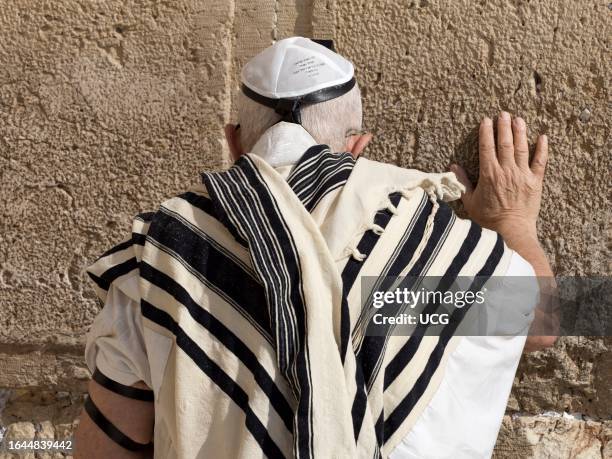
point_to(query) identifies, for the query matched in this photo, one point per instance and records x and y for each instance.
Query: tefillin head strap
(289, 108)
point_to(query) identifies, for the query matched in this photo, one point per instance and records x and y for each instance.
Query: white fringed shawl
(256, 280)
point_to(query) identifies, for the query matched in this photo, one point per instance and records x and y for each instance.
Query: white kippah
(294, 67)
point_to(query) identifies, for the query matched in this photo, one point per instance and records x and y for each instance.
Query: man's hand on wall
(508, 195)
(509, 190)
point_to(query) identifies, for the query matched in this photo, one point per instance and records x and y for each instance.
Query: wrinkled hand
(507, 200)
(509, 190)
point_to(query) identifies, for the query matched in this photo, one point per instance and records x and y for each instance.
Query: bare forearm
(134, 418)
(527, 246)
(92, 443)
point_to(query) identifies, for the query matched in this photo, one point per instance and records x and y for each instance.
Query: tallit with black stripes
(255, 278)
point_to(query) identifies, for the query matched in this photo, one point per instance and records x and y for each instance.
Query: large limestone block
(558, 437)
(106, 109)
(574, 376)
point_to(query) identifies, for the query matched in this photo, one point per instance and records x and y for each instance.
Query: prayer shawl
(255, 279)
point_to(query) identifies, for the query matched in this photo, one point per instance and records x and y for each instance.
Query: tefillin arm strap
(104, 423)
(289, 108)
(110, 430)
(127, 391)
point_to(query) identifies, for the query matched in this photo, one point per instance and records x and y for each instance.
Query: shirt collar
(283, 144)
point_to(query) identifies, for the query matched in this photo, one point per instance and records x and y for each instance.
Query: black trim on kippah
(289, 107)
(329, 93)
(118, 388)
(110, 430)
(329, 44)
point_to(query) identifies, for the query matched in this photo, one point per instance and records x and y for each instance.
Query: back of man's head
(328, 122)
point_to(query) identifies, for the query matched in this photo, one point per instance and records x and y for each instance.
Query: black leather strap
(289, 108)
(127, 391)
(329, 93)
(329, 44)
(110, 430)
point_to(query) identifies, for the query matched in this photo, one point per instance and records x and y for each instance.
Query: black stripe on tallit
(419, 267)
(408, 245)
(371, 351)
(318, 173)
(400, 256)
(403, 409)
(321, 169)
(136, 238)
(442, 219)
(352, 268)
(213, 242)
(379, 427)
(306, 164)
(366, 245)
(349, 275)
(221, 379)
(225, 336)
(110, 275)
(145, 216)
(242, 194)
(201, 202)
(304, 446)
(409, 349)
(214, 269)
(206, 205)
(245, 211)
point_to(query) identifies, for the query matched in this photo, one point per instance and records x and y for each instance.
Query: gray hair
(328, 122)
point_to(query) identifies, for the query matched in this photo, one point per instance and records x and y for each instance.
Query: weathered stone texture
(553, 437)
(575, 376)
(107, 107)
(56, 369)
(38, 415)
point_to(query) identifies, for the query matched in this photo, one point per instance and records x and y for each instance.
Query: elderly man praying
(234, 322)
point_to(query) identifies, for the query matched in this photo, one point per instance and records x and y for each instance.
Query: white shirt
(461, 421)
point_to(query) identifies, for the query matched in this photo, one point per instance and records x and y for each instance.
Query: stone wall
(107, 107)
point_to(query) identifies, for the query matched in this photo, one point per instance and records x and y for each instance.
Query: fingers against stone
(521, 147)
(505, 141)
(538, 163)
(486, 145)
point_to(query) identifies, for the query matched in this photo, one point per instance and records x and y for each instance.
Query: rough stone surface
(553, 437)
(108, 107)
(575, 376)
(61, 370)
(38, 415)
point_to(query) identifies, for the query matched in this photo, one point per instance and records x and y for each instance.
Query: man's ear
(355, 144)
(233, 140)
